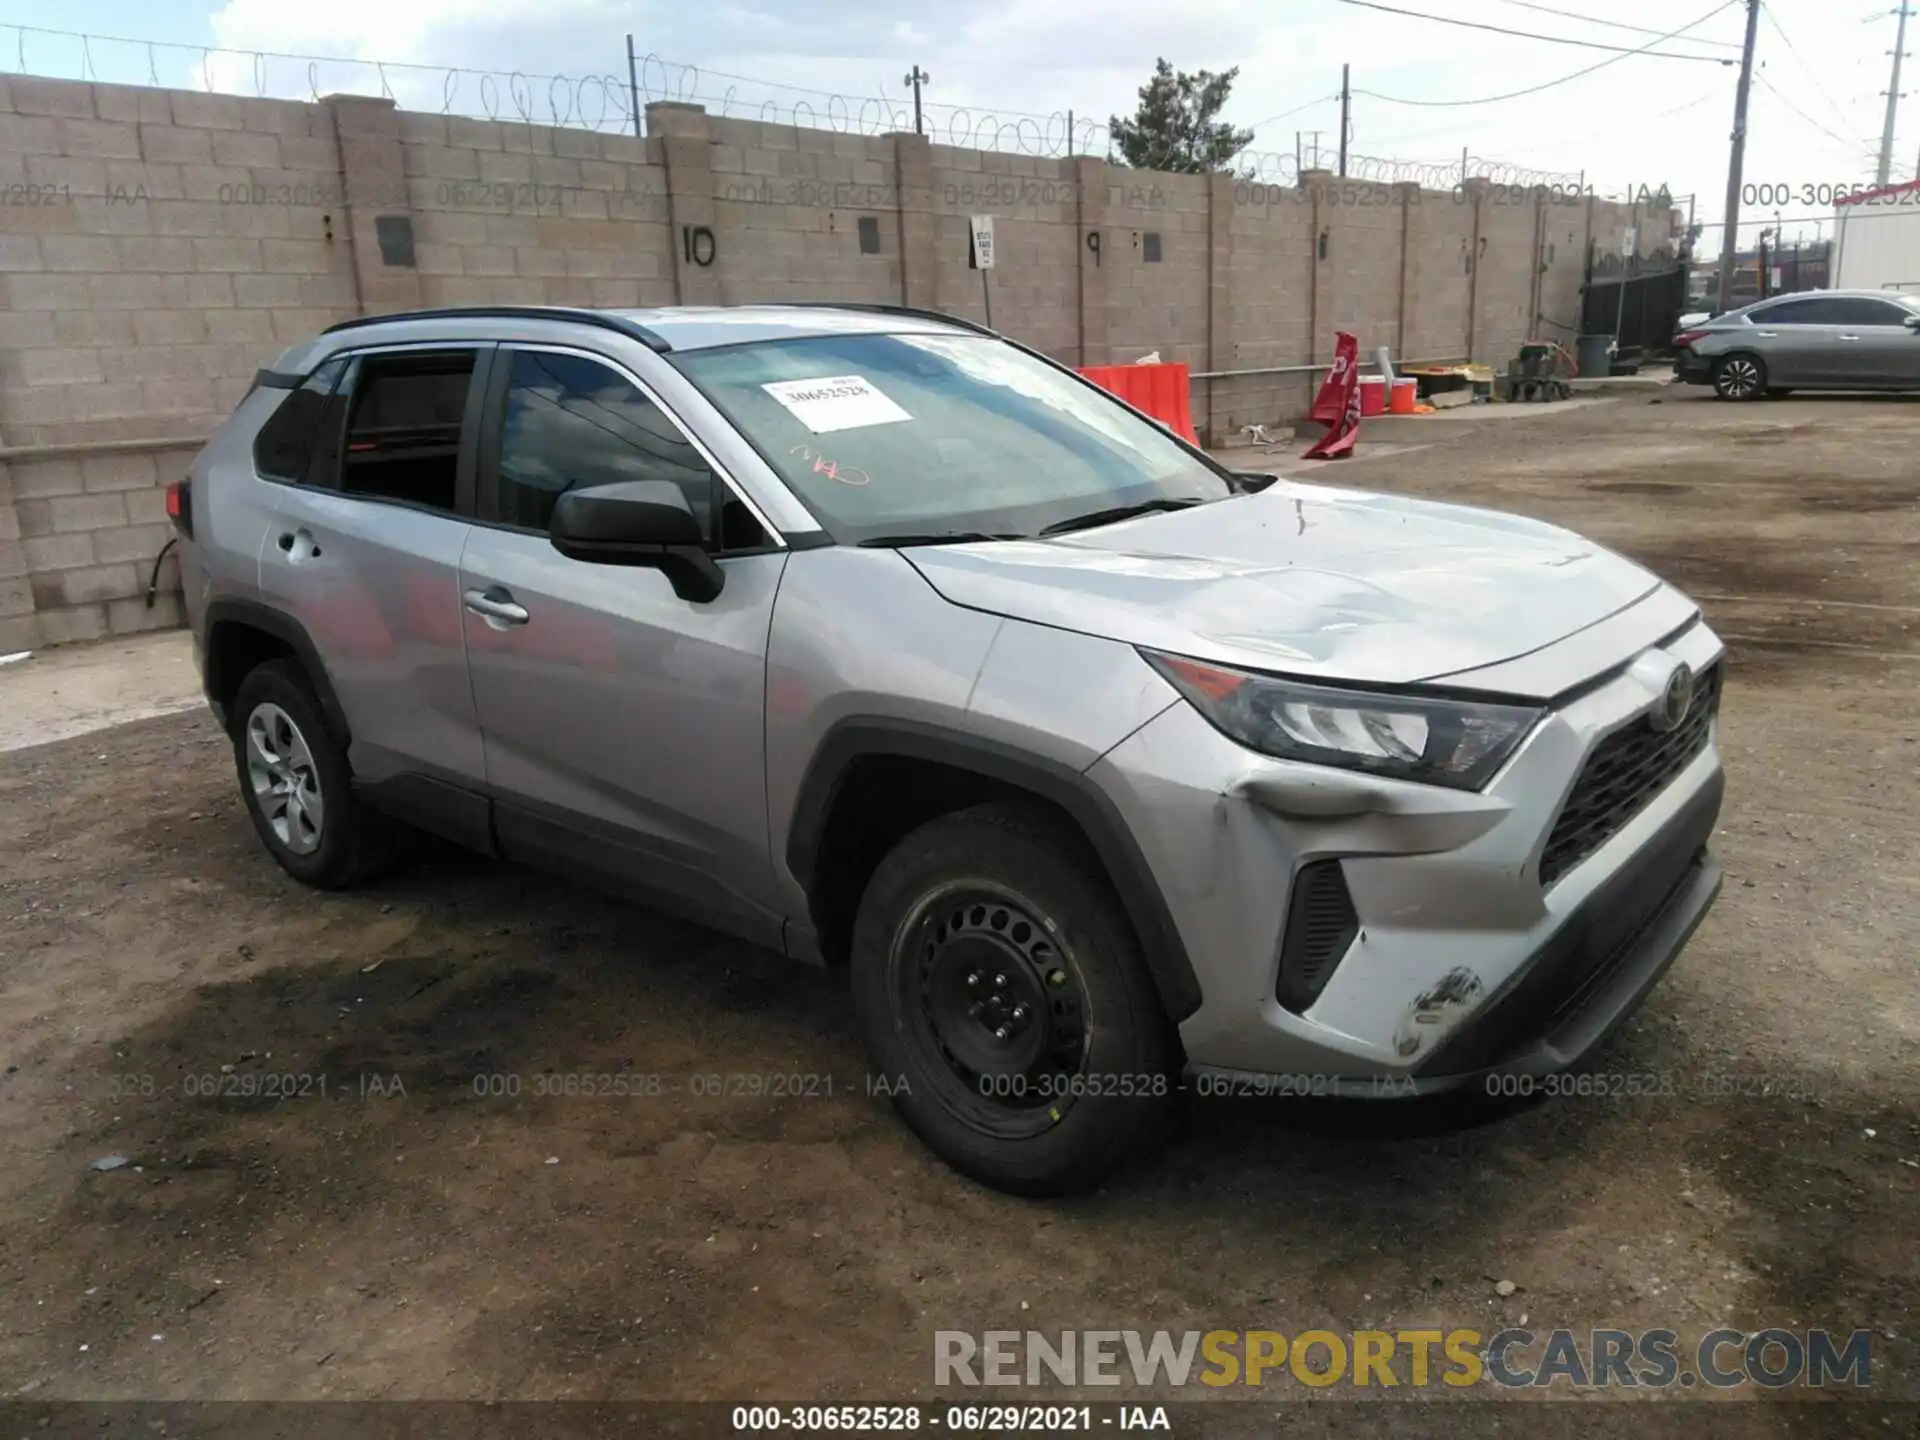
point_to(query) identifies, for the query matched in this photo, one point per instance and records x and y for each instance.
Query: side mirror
(639, 522)
(1254, 481)
(1912, 322)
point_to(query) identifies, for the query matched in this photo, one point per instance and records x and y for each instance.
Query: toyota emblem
(1675, 701)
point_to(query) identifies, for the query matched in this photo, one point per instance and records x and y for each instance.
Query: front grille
(1623, 775)
(1321, 924)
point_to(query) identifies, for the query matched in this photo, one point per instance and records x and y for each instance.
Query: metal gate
(1643, 319)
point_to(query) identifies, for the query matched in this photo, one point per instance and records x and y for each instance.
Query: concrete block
(21, 633)
(113, 472)
(131, 616)
(33, 517)
(146, 507)
(84, 176)
(64, 626)
(498, 167)
(34, 291)
(229, 254)
(535, 261)
(201, 111)
(87, 512)
(33, 95)
(294, 257)
(57, 366)
(20, 252)
(246, 148)
(134, 544)
(421, 130)
(94, 584)
(99, 139)
(91, 253)
(51, 553)
(29, 135)
(132, 104)
(472, 134)
(266, 292)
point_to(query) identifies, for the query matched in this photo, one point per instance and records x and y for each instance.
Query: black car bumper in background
(1690, 369)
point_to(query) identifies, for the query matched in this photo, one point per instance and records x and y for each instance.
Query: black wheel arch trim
(855, 738)
(254, 615)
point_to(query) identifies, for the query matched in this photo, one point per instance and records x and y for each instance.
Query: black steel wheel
(1005, 1003)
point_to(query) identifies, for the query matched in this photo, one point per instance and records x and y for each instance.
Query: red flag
(1337, 406)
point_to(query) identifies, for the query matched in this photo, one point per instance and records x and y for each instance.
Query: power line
(1564, 79)
(1612, 24)
(1774, 91)
(1805, 69)
(1286, 114)
(1646, 50)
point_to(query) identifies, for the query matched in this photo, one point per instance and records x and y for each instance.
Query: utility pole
(1730, 246)
(1893, 99)
(1346, 100)
(916, 78)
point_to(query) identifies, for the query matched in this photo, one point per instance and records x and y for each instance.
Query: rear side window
(283, 450)
(1798, 312)
(403, 417)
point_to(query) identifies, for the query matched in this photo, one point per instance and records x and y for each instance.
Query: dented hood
(1307, 580)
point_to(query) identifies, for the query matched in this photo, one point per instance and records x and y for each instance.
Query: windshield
(887, 435)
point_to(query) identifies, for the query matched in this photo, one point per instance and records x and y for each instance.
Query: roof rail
(605, 320)
(876, 308)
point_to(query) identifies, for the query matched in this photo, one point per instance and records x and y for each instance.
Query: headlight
(1460, 743)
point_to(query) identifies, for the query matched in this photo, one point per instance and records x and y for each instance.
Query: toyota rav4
(881, 641)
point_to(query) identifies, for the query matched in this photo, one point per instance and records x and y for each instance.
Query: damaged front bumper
(1463, 964)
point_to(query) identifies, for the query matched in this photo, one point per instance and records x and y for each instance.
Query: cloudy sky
(1014, 68)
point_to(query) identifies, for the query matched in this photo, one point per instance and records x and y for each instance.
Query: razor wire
(608, 102)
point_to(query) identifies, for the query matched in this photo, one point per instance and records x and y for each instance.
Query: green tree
(1176, 126)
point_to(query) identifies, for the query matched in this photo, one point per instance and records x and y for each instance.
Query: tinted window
(571, 422)
(1797, 312)
(1870, 312)
(403, 427)
(284, 447)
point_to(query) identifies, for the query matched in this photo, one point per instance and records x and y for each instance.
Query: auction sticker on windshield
(835, 402)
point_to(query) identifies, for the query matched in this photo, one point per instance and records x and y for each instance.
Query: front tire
(994, 970)
(296, 784)
(1740, 377)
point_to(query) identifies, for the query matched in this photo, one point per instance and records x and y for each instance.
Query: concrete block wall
(168, 243)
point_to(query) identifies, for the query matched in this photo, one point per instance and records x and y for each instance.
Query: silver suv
(876, 639)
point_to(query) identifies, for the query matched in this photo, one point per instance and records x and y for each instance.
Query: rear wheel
(1740, 377)
(994, 971)
(296, 783)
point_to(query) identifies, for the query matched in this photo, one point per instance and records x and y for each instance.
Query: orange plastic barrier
(1162, 391)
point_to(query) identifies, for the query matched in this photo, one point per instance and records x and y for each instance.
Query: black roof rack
(653, 340)
(876, 308)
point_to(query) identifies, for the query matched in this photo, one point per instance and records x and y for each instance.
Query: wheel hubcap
(285, 784)
(1741, 377)
(997, 996)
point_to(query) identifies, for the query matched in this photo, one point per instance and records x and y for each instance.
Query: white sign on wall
(982, 256)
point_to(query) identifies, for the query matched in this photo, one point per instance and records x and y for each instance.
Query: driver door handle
(1849, 337)
(496, 606)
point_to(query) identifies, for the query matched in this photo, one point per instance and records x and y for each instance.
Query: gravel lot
(399, 1235)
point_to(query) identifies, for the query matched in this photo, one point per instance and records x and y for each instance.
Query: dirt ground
(373, 1224)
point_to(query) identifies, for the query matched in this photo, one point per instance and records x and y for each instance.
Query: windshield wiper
(932, 537)
(1116, 514)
